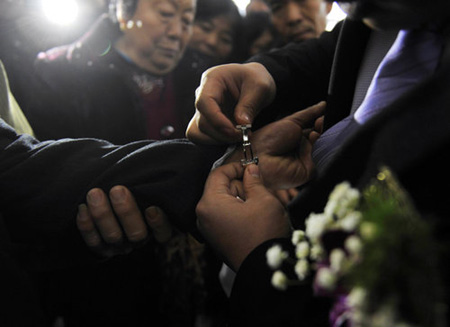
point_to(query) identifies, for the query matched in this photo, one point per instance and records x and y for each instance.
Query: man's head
(155, 32)
(398, 14)
(298, 20)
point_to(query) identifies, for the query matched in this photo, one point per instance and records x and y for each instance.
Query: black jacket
(411, 137)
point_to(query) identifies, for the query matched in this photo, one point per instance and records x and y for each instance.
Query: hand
(229, 95)
(233, 226)
(284, 148)
(116, 226)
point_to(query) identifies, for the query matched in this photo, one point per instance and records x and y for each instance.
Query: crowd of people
(124, 201)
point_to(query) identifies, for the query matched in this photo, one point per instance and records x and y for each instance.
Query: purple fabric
(413, 57)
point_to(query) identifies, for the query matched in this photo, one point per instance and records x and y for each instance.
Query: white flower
(275, 256)
(297, 236)
(353, 244)
(326, 279)
(342, 200)
(337, 260)
(316, 252)
(302, 269)
(302, 250)
(316, 225)
(351, 221)
(279, 280)
(356, 297)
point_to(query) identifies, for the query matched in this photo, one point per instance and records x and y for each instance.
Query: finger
(128, 214)
(103, 216)
(257, 91)
(318, 125)
(307, 117)
(220, 179)
(210, 96)
(216, 132)
(253, 184)
(313, 137)
(237, 189)
(159, 224)
(194, 134)
(87, 228)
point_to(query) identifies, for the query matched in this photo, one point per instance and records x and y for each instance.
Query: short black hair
(208, 9)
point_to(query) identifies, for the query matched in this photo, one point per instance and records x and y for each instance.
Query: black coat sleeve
(42, 184)
(301, 71)
(255, 302)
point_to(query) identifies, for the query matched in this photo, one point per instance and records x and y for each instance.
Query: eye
(275, 7)
(226, 39)
(166, 13)
(188, 20)
(205, 26)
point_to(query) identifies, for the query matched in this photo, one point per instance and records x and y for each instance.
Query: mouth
(169, 52)
(303, 35)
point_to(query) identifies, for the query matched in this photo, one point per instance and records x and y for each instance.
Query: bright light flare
(61, 12)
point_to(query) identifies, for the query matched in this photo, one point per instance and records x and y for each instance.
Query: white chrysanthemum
(302, 269)
(275, 256)
(353, 244)
(302, 250)
(279, 280)
(342, 200)
(351, 221)
(297, 236)
(316, 225)
(337, 260)
(326, 279)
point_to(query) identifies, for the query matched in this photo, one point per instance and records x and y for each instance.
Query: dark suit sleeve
(255, 302)
(301, 71)
(42, 183)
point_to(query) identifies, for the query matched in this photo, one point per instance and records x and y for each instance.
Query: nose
(211, 41)
(175, 28)
(294, 14)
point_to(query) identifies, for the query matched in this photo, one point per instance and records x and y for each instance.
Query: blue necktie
(412, 58)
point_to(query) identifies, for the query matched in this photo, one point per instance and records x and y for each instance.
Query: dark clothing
(88, 89)
(41, 185)
(411, 137)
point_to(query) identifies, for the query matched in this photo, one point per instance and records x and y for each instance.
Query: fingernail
(94, 197)
(151, 213)
(245, 117)
(117, 194)
(82, 212)
(253, 170)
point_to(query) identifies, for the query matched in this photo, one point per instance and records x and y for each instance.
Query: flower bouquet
(372, 253)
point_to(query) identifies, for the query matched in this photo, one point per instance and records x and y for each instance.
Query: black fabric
(41, 185)
(411, 137)
(255, 302)
(86, 89)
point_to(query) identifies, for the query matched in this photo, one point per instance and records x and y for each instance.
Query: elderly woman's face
(156, 36)
(398, 14)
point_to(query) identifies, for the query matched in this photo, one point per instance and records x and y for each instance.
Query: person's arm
(270, 86)
(42, 184)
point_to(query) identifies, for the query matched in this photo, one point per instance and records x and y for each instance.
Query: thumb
(253, 184)
(307, 117)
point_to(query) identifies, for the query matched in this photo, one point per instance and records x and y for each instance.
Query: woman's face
(214, 37)
(156, 36)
